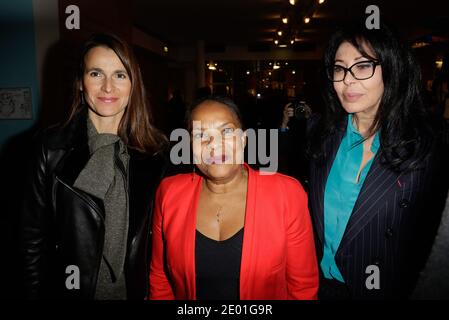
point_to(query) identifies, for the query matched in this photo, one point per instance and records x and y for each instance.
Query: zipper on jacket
(90, 202)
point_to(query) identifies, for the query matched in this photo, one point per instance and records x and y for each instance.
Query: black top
(217, 266)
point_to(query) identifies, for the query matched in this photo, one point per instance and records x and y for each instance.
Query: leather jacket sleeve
(36, 221)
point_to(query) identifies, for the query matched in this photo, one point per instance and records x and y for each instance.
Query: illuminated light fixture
(247, 72)
(439, 64)
(306, 19)
(270, 63)
(286, 63)
(292, 41)
(212, 66)
(284, 20)
(292, 2)
(165, 49)
(419, 45)
(293, 72)
(280, 33)
(321, 1)
(282, 46)
(269, 73)
(275, 67)
(276, 42)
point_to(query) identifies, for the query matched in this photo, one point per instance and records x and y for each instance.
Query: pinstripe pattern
(380, 229)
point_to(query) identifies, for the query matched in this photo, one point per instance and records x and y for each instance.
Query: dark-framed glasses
(361, 70)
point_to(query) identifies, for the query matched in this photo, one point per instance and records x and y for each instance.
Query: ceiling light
(285, 20)
(276, 41)
(211, 66)
(293, 71)
(275, 67)
(165, 49)
(292, 2)
(292, 41)
(282, 46)
(280, 33)
(320, 1)
(247, 72)
(306, 19)
(269, 73)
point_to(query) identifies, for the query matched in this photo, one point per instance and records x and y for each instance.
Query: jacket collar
(145, 171)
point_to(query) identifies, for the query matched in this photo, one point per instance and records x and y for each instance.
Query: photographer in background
(292, 140)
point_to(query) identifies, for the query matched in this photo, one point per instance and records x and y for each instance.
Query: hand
(287, 114)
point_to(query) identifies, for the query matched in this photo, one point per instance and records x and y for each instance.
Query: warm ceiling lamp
(321, 1)
(276, 41)
(292, 2)
(306, 19)
(280, 33)
(284, 20)
(212, 66)
(292, 41)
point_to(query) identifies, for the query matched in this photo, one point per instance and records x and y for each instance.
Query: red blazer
(278, 254)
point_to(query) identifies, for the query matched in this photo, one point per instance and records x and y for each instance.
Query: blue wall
(17, 59)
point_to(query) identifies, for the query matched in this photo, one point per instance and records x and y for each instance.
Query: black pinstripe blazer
(391, 226)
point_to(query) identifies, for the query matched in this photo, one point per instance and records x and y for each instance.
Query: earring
(83, 102)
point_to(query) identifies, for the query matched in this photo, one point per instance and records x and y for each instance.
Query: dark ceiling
(246, 22)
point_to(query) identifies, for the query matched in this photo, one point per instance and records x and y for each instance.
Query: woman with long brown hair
(85, 221)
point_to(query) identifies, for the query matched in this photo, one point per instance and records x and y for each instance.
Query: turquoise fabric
(341, 193)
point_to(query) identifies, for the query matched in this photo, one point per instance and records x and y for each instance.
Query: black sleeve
(35, 226)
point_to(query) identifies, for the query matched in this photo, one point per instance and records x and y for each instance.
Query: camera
(301, 109)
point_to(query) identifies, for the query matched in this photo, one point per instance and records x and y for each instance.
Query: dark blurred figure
(176, 110)
(433, 283)
(203, 92)
(292, 140)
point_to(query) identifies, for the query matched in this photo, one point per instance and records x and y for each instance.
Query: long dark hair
(405, 134)
(135, 129)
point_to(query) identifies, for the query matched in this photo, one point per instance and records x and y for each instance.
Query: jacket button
(389, 233)
(404, 203)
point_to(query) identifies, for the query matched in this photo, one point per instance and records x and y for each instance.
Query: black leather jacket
(63, 226)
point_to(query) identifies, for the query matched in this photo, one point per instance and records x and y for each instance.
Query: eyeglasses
(361, 70)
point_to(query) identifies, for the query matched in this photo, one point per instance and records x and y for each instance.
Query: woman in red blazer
(230, 232)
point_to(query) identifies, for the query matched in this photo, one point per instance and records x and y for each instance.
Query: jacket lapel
(190, 238)
(249, 238)
(378, 183)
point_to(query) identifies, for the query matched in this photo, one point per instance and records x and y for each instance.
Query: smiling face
(218, 141)
(106, 85)
(358, 96)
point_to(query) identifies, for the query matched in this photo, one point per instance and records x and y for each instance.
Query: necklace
(219, 214)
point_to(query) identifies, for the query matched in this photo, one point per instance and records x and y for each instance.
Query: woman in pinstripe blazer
(371, 164)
